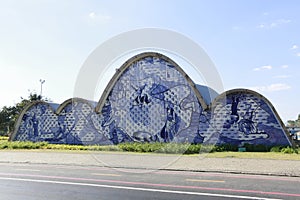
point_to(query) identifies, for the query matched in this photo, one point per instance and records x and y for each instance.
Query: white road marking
(136, 188)
(29, 170)
(206, 181)
(98, 174)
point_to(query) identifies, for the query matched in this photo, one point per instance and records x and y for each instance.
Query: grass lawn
(152, 148)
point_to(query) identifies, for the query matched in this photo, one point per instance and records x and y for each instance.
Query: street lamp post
(42, 82)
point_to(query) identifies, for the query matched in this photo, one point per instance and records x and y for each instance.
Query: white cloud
(261, 26)
(99, 18)
(282, 76)
(273, 24)
(272, 88)
(265, 67)
(294, 47)
(269, 67)
(265, 13)
(283, 21)
(92, 15)
(236, 28)
(298, 54)
(278, 87)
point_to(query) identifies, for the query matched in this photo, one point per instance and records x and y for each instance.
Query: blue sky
(253, 44)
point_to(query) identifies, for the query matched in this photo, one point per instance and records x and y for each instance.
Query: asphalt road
(46, 181)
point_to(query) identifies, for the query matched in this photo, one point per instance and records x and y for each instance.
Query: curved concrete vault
(151, 99)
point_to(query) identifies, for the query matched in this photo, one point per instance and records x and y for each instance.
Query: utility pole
(42, 82)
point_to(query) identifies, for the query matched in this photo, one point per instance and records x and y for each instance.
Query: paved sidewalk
(155, 161)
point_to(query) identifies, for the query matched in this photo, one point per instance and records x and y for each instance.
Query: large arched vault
(150, 98)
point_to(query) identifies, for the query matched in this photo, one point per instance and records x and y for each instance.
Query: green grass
(223, 151)
(22, 145)
(5, 144)
(3, 138)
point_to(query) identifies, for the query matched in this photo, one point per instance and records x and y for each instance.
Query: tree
(294, 123)
(6, 116)
(9, 115)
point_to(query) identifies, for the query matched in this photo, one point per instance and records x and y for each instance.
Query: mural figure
(59, 135)
(249, 120)
(247, 125)
(234, 116)
(116, 135)
(35, 125)
(234, 109)
(171, 127)
(139, 108)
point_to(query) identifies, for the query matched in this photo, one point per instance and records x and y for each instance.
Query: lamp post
(42, 82)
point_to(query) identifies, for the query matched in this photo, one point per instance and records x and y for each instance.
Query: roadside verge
(120, 160)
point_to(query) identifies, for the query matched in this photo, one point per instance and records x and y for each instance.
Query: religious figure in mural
(115, 134)
(241, 119)
(246, 124)
(234, 116)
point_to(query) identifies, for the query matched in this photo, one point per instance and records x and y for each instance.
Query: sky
(253, 44)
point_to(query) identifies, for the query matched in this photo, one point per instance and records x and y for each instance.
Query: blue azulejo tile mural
(151, 99)
(153, 102)
(242, 116)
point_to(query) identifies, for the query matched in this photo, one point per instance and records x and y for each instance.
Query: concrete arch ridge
(92, 104)
(137, 58)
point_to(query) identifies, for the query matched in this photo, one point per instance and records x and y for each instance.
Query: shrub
(225, 147)
(257, 148)
(276, 149)
(193, 149)
(289, 150)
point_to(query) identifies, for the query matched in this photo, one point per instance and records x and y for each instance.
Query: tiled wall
(152, 101)
(243, 116)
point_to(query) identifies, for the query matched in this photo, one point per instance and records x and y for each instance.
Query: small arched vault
(242, 116)
(151, 99)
